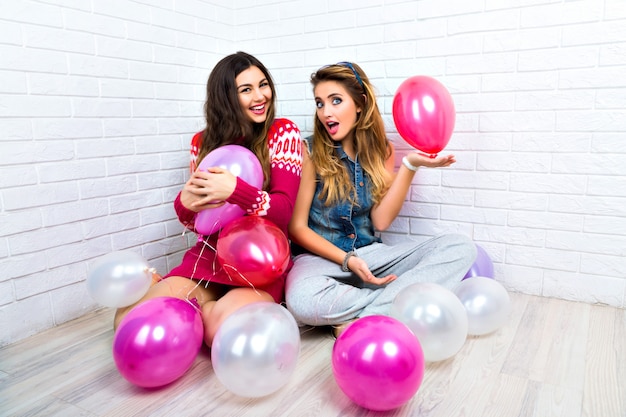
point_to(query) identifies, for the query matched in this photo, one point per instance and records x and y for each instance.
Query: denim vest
(346, 225)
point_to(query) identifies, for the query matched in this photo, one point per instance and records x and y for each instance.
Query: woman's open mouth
(332, 127)
(259, 109)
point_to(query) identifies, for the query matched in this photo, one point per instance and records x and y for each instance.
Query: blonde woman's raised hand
(419, 159)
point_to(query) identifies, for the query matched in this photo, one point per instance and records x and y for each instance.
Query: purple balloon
(158, 341)
(241, 162)
(378, 363)
(482, 266)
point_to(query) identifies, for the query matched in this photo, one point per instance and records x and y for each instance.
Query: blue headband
(356, 74)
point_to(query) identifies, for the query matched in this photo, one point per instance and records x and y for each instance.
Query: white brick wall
(98, 101)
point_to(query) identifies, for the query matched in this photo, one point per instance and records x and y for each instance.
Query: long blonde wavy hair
(370, 141)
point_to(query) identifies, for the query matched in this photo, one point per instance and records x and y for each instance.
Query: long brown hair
(370, 141)
(226, 122)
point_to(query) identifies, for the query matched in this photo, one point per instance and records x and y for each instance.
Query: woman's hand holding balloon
(419, 159)
(208, 189)
(191, 194)
(218, 184)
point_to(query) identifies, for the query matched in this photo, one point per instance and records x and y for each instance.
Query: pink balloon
(378, 363)
(253, 251)
(158, 341)
(423, 112)
(482, 266)
(241, 162)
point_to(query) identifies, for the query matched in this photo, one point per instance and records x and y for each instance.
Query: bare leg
(215, 312)
(178, 287)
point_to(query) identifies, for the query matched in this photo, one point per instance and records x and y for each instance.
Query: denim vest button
(346, 225)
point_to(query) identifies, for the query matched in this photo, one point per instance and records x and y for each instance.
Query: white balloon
(119, 279)
(436, 317)
(487, 303)
(255, 350)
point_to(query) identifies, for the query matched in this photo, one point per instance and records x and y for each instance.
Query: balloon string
(232, 268)
(205, 244)
(195, 265)
(215, 224)
(194, 303)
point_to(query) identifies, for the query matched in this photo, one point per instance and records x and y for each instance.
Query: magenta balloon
(241, 162)
(424, 114)
(253, 251)
(482, 266)
(158, 341)
(378, 363)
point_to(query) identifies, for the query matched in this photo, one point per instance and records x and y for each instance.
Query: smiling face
(335, 109)
(255, 94)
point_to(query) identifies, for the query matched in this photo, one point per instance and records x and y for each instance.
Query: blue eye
(336, 100)
(319, 104)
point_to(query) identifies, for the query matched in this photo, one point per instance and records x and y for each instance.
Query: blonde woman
(348, 191)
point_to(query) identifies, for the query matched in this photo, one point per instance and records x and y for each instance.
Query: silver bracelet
(410, 166)
(344, 265)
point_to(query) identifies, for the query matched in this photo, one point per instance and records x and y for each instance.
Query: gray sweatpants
(318, 293)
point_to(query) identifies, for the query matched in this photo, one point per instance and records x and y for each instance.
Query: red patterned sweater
(276, 204)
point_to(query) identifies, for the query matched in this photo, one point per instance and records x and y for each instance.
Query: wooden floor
(553, 358)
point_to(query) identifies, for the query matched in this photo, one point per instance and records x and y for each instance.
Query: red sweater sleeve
(285, 152)
(186, 216)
